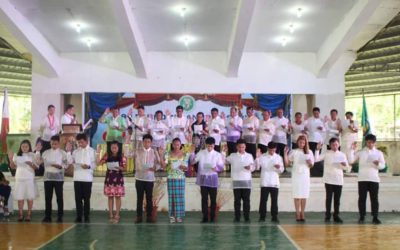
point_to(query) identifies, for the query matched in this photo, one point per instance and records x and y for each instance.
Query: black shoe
(59, 220)
(262, 219)
(46, 220)
(361, 220)
(138, 220)
(150, 220)
(327, 219)
(247, 220)
(87, 220)
(236, 220)
(337, 219)
(212, 220)
(204, 220)
(78, 220)
(275, 220)
(376, 221)
(302, 220)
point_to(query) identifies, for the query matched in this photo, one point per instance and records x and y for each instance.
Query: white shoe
(172, 220)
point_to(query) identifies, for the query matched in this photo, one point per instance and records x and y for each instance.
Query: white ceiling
(210, 21)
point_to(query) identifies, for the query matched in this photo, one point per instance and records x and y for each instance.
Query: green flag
(365, 121)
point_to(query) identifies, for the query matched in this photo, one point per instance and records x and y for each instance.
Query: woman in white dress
(25, 163)
(301, 160)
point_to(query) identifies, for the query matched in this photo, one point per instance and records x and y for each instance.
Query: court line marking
(288, 237)
(56, 236)
(91, 246)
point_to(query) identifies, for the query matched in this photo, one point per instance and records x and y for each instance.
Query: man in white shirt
(250, 127)
(281, 129)
(234, 130)
(216, 127)
(140, 124)
(50, 126)
(316, 129)
(271, 165)
(349, 133)
(266, 131)
(370, 161)
(335, 162)
(333, 127)
(178, 125)
(242, 164)
(69, 115)
(159, 131)
(84, 161)
(55, 161)
(210, 163)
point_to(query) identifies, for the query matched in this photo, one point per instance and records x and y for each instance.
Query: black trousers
(251, 149)
(363, 188)
(265, 191)
(5, 193)
(240, 194)
(57, 186)
(217, 148)
(280, 149)
(231, 147)
(318, 169)
(205, 192)
(332, 191)
(262, 148)
(83, 191)
(141, 188)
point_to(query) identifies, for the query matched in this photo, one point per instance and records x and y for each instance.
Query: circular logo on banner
(187, 102)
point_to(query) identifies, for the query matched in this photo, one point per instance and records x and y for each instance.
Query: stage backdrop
(96, 103)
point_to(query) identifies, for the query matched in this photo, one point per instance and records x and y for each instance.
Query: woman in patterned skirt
(114, 183)
(176, 163)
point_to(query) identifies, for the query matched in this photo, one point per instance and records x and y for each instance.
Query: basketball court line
(56, 236)
(288, 237)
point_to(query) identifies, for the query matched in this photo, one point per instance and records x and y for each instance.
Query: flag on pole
(365, 121)
(5, 126)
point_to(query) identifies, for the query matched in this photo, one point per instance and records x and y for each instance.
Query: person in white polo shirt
(335, 162)
(370, 161)
(271, 165)
(266, 131)
(216, 127)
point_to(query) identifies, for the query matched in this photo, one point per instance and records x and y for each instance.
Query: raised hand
(223, 115)
(258, 154)
(130, 111)
(167, 112)
(107, 110)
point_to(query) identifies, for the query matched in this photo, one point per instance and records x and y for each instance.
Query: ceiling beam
(41, 50)
(239, 36)
(132, 36)
(340, 39)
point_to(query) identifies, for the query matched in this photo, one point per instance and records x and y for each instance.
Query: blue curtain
(273, 102)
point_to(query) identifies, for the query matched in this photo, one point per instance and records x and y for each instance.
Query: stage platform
(389, 195)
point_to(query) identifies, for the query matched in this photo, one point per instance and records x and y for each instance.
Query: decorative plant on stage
(158, 194)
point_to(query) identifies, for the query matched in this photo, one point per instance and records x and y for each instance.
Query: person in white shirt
(242, 165)
(69, 116)
(50, 126)
(216, 127)
(84, 162)
(234, 129)
(55, 161)
(335, 162)
(281, 130)
(349, 133)
(140, 124)
(271, 166)
(333, 127)
(210, 162)
(316, 134)
(297, 128)
(250, 127)
(25, 162)
(159, 131)
(370, 161)
(301, 159)
(179, 125)
(199, 132)
(266, 131)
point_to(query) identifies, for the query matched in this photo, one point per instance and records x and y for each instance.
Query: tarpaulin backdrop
(96, 103)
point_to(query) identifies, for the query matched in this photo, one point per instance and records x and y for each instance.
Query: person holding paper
(250, 127)
(84, 163)
(370, 161)
(333, 127)
(115, 126)
(349, 133)
(147, 161)
(69, 115)
(50, 126)
(176, 164)
(25, 162)
(271, 165)
(301, 159)
(297, 128)
(234, 129)
(114, 187)
(210, 163)
(140, 124)
(55, 161)
(242, 165)
(335, 162)
(199, 132)
(178, 125)
(266, 131)
(159, 131)
(216, 128)
(281, 129)
(316, 129)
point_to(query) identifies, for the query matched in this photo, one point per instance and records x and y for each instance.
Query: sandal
(116, 219)
(21, 217)
(28, 216)
(111, 219)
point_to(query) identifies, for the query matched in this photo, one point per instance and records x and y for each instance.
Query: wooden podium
(69, 133)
